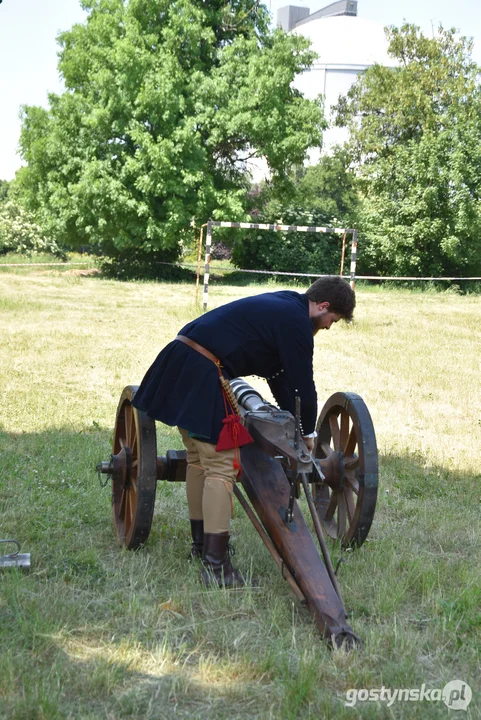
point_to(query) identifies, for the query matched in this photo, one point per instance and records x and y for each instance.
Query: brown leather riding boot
(218, 569)
(197, 530)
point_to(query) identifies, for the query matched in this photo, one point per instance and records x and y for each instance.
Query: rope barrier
(239, 270)
(317, 275)
(396, 277)
(264, 272)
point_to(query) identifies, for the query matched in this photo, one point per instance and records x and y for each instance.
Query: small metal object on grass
(15, 559)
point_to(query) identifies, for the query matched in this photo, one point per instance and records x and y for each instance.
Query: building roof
(341, 7)
(346, 41)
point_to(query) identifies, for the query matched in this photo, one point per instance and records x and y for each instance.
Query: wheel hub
(333, 469)
(120, 467)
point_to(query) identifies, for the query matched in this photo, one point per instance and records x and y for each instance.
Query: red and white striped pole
(353, 258)
(208, 243)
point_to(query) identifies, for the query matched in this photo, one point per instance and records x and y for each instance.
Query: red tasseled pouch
(232, 436)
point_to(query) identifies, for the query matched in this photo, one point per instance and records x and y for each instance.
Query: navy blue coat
(268, 335)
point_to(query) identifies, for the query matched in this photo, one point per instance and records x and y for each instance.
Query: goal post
(279, 228)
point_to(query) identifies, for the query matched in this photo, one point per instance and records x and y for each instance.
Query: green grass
(94, 632)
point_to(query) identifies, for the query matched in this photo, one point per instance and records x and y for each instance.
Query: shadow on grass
(414, 476)
(96, 631)
(50, 490)
(55, 681)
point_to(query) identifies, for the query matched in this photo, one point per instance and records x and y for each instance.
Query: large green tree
(165, 101)
(415, 142)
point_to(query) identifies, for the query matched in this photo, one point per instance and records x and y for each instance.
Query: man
(268, 335)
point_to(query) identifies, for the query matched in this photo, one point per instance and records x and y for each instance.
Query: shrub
(20, 234)
(220, 251)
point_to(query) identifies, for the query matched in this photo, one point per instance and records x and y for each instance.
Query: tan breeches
(209, 483)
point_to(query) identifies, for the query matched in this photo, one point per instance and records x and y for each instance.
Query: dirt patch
(85, 272)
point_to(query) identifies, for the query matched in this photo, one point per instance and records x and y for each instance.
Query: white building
(346, 45)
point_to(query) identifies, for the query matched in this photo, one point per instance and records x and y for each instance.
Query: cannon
(339, 480)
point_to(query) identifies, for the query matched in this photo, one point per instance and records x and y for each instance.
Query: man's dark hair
(337, 292)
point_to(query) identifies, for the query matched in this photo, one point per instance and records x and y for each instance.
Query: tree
(330, 188)
(165, 100)
(415, 142)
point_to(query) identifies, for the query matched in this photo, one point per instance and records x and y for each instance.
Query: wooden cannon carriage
(339, 481)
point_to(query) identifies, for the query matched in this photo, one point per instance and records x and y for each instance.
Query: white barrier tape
(82, 262)
(313, 274)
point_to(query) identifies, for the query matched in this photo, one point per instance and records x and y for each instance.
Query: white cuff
(313, 434)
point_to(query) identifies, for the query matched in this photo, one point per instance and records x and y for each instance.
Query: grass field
(94, 632)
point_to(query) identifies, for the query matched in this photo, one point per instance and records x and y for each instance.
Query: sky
(28, 47)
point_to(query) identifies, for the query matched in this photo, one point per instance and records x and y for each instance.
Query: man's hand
(309, 442)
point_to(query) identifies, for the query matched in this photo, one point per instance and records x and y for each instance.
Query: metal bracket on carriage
(273, 430)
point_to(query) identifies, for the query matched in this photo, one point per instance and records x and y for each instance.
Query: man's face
(323, 318)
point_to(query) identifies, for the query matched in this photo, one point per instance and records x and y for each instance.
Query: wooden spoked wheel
(347, 453)
(133, 468)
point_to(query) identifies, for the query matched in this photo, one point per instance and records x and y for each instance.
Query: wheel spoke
(351, 443)
(126, 516)
(351, 508)
(320, 494)
(128, 425)
(335, 433)
(352, 463)
(344, 431)
(132, 505)
(122, 505)
(133, 446)
(341, 516)
(353, 482)
(128, 512)
(326, 449)
(331, 507)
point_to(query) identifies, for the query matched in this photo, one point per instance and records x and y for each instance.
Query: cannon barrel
(272, 429)
(248, 398)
